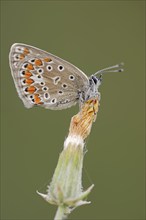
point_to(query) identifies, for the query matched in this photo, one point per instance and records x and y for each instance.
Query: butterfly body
(43, 79)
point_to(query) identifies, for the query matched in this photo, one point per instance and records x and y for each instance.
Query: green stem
(65, 189)
(60, 213)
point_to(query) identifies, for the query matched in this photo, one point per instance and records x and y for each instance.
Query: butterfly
(43, 79)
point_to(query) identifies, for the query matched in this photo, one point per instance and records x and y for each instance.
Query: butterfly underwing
(43, 79)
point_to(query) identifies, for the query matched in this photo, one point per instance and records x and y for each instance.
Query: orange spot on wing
(31, 89)
(30, 66)
(29, 81)
(21, 56)
(26, 50)
(47, 59)
(38, 62)
(37, 99)
(27, 74)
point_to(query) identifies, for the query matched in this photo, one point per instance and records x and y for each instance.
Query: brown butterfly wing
(44, 79)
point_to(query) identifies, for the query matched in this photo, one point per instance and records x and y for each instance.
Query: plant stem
(60, 213)
(65, 189)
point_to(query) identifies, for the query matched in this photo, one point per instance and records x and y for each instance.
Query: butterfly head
(96, 80)
(91, 90)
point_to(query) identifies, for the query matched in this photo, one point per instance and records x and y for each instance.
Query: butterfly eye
(64, 85)
(16, 57)
(46, 95)
(42, 83)
(45, 88)
(56, 80)
(53, 101)
(71, 77)
(60, 92)
(39, 77)
(23, 81)
(19, 49)
(25, 90)
(31, 96)
(25, 65)
(49, 68)
(40, 70)
(32, 61)
(22, 73)
(60, 68)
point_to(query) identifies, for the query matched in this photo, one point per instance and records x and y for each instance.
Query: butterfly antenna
(114, 69)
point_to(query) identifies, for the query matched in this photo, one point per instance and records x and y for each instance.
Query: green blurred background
(91, 35)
